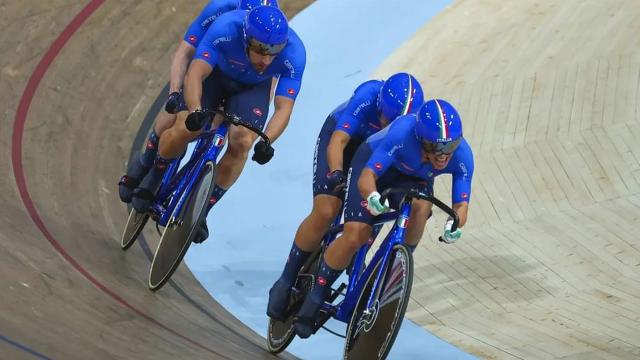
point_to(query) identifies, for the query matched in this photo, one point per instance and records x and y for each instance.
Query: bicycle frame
(357, 281)
(177, 188)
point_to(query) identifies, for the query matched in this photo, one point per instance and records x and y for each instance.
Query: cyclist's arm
(285, 96)
(461, 209)
(179, 65)
(280, 118)
(198, 71)
(461, 185)
(335, 150)
(367, 182)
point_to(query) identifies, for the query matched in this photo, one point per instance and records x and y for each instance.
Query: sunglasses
(264, 49)
(436, 148)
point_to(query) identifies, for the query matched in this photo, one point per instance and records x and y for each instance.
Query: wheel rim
(371, 332)
(176, 238)
(132, 230)
(281, 333)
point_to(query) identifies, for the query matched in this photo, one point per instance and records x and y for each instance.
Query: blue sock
(216, 195)
(151, 150)
(325, 278)
(295, 261)
(153, 179)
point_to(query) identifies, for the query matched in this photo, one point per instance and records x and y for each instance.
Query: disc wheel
(281, 333)
(177, 236)
(132, 230)
(371, 332)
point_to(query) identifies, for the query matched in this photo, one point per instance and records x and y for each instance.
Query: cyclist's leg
(251, 104)
(163, 121)
(141, 166)
(357, 230)
(326, 202)
(420, 209)
(173, 143)
(326, 205)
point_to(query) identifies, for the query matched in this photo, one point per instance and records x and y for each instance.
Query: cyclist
(373, 105)
(410, 153)
(233, 67)
(181, 59)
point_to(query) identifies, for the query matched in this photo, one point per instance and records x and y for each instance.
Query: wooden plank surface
(549, 263)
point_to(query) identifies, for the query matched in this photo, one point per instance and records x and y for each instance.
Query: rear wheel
(372, 331)
(135, 224)
(176, 237)
(281, 333)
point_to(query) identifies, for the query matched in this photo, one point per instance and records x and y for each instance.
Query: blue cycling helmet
(438, 127)
(401, 94)
(266, 30)
(250, 4)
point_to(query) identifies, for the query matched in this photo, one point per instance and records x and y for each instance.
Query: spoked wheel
(134, 227)
(177, 236)
(371, 332)
(281, 333)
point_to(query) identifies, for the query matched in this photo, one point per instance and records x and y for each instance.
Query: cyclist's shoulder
(215, 8)
(294, 52)
(368, 89)
(396, 133)
(463, 156)
(403, 124)
(227, 27)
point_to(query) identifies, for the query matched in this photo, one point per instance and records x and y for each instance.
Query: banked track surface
(549, 265)
(83, 297)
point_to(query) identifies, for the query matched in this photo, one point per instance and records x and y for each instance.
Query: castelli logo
(291, 92)
(150, 146)
(257, 111)
(206, 54)
(322, 281)
(364, 203)
(346, 125)
(465, 195)
(378, 166)
(212, 200)
(193, 39)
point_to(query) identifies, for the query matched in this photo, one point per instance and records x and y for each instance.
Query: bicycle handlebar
(236, 120)
(413, 194)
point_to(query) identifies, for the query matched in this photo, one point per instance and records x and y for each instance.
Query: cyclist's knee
(240, 142)
(164, 121)
(324, 214)
(355, 235)
(421, 209)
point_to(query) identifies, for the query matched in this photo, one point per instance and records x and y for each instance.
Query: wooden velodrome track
(548, 266)
(84, 298)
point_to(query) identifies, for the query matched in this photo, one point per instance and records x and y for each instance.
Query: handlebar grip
(456, 222)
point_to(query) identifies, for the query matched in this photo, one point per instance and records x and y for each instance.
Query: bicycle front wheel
(134, 227)
(176, 237)
(281, 333)
(372, 331)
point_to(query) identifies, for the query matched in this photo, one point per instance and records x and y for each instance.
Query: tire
(132, 230)
(281, 333)
(371, 336)
(176, 239)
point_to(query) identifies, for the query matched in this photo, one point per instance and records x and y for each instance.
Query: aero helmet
(250, 4)
(438, 127)
(401, 94)
(266, 30)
